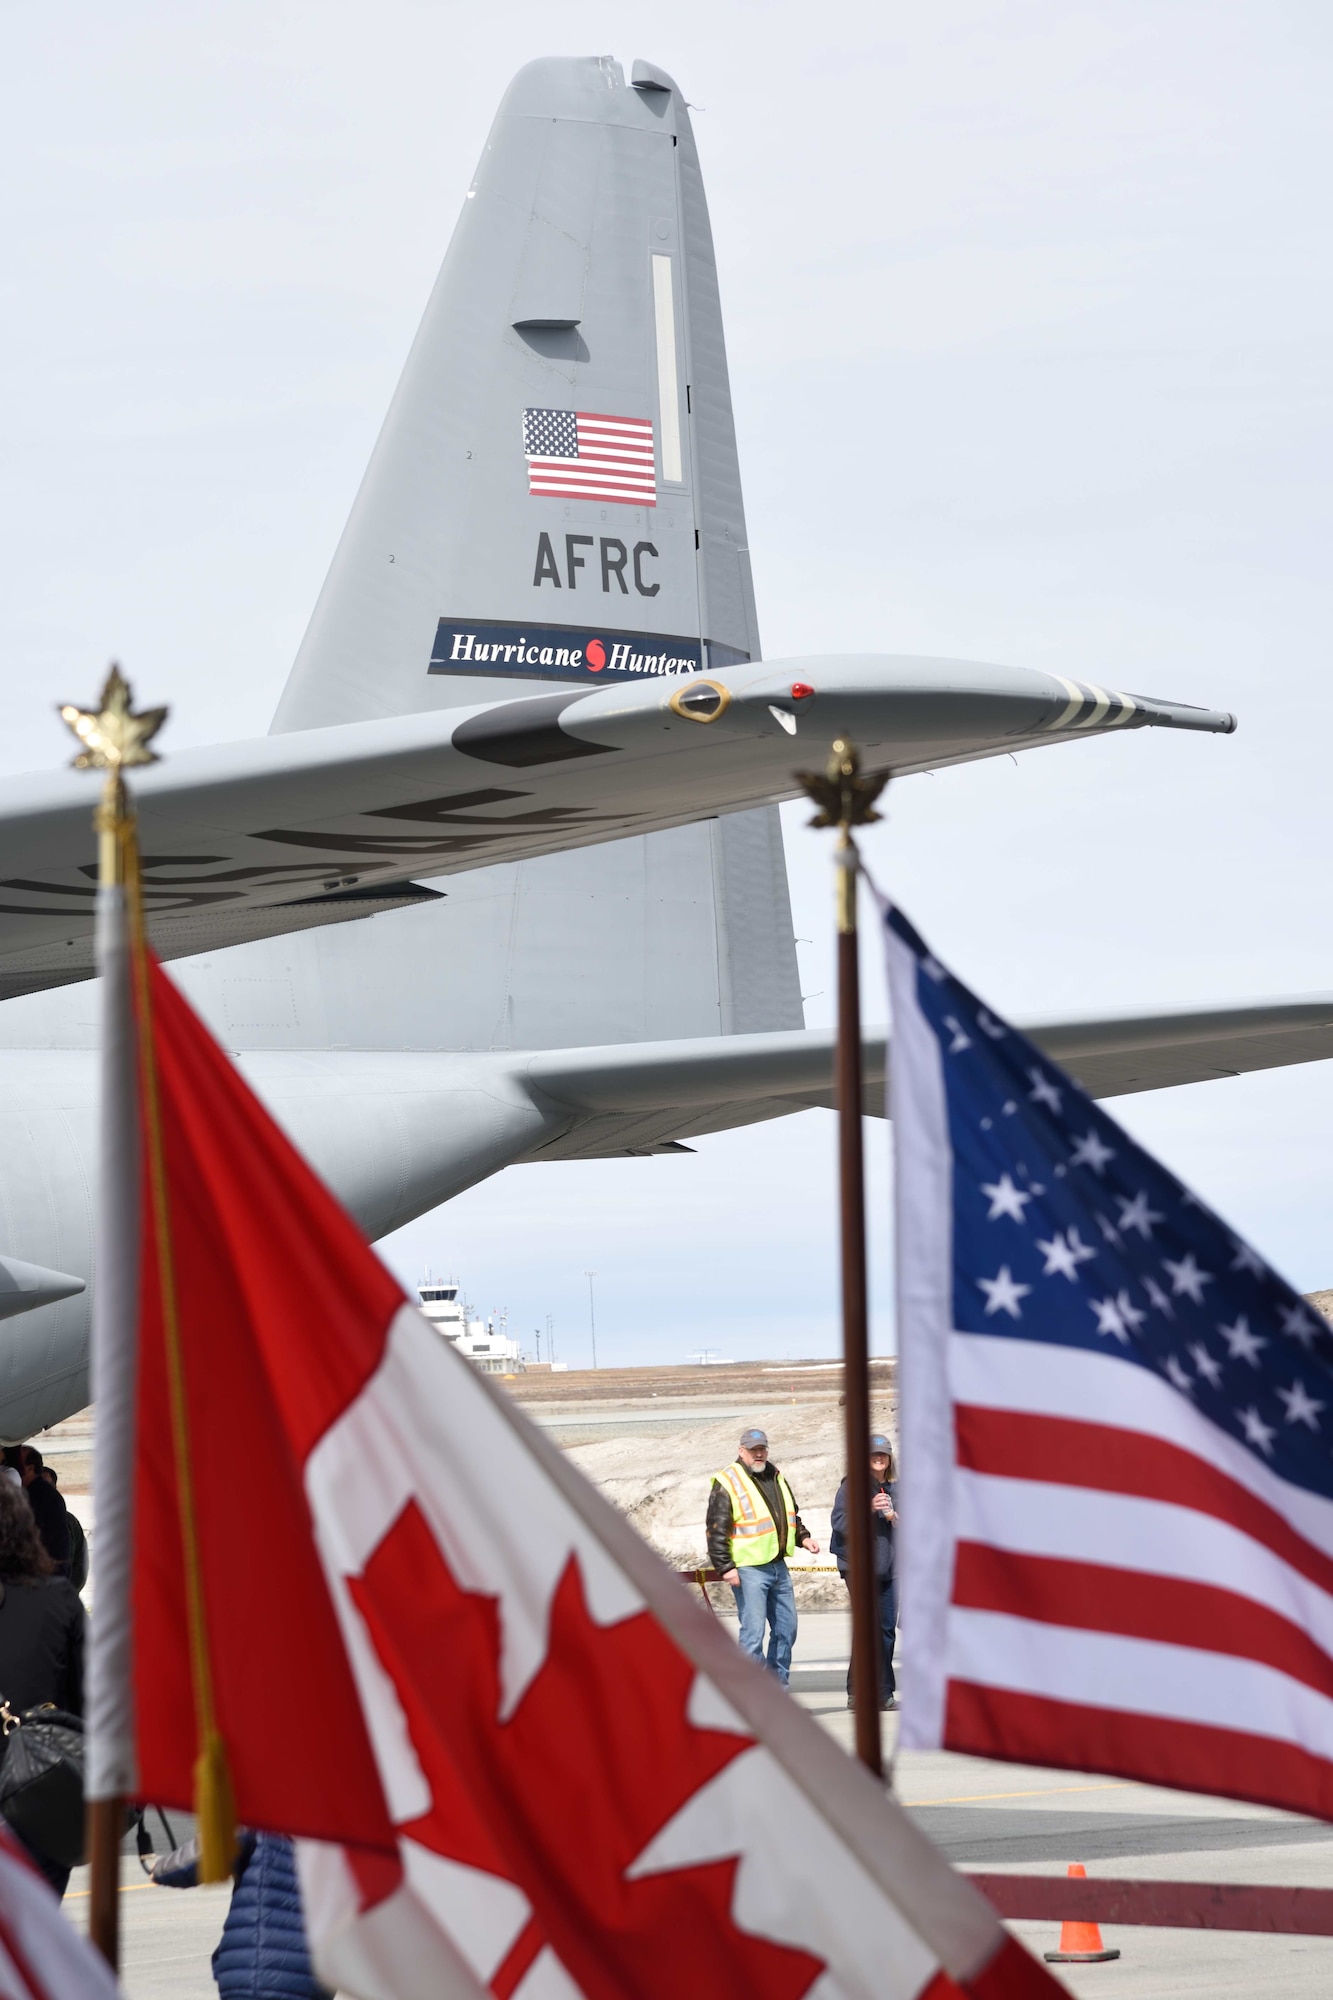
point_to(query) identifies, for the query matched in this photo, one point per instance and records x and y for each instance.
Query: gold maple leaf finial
(113, 736)
(843, 796)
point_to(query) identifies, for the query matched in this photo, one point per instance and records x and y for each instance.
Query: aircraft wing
(251, 839)
(650, 1097)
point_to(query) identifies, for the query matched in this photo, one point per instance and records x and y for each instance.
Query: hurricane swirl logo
(595, 656)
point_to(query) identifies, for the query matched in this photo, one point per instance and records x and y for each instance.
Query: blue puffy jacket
(263, 1954)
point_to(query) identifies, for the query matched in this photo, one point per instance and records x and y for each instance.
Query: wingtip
(1182, 715)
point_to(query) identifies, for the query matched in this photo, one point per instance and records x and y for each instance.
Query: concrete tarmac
(983, 1816)
(1018, 1819)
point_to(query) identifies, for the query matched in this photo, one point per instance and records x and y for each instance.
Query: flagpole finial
(845, 799)
(112, 735)
(114, 738)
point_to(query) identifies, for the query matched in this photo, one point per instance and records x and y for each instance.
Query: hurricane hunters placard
(567, 652)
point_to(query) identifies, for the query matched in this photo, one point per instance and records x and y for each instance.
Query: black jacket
(719, 1519)
(881, 1532)
(41, 1644)
(50, 1514)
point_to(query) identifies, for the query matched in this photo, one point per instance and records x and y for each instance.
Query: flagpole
(113, 737)
(846, 800)
(115, 1311)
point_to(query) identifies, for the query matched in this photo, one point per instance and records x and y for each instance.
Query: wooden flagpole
(846, 800)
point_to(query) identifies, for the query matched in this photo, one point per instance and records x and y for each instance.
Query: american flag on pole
(579, 456)
(1118, 1534)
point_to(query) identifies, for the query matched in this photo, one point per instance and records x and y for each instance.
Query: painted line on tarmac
(1041, 1792)
(126, 1889)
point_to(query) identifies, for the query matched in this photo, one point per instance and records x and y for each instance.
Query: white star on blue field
(1067, 1231)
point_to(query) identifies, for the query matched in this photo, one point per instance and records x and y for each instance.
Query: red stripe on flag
(1065, 1451)
(518, 1961)
(591, 484)
(563, 490)
(1013, 1974)
(592, 472)
(1134, 1604)
(1155, 1750)
(36, 1987)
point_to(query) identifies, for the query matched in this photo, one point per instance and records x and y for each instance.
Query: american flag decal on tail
(1116, 1436)
(578, 456)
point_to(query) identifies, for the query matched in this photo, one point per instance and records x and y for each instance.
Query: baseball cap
(753, 1439)
(877, 1444)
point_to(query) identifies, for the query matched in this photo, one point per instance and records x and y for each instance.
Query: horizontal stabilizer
(396, 1132)
(653, 1094)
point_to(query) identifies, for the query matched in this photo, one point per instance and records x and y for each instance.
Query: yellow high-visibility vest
(754, 1532)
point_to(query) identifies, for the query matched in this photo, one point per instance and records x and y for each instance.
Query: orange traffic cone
(1080, 1944)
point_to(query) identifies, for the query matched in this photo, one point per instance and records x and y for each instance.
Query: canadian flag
(518, 1757)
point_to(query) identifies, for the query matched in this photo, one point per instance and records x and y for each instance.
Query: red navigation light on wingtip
(801, 691)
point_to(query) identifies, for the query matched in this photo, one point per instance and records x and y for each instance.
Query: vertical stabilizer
(555, 498)
(555, 495)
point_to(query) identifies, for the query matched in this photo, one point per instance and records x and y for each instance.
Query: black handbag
(41, 1781)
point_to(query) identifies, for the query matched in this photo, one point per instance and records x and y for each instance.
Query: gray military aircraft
(506, 881)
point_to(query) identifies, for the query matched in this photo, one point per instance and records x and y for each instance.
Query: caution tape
(702, 1576)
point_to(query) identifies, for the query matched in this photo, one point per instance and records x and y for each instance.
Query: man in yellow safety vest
(753, 1526)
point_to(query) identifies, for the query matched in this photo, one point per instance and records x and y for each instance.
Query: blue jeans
(766, 1597)
(888, 1632)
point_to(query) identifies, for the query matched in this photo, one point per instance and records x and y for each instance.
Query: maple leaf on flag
(523, 1760)
(568, 1791)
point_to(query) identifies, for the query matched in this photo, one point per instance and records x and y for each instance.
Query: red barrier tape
(1207, 1906)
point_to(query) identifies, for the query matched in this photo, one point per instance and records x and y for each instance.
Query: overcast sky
(1028, 311)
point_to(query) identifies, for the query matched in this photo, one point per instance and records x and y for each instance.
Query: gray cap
(752, 1439)
(880, 1444)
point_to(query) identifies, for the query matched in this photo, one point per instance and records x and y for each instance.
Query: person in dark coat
(48, 1507)
(262, 1954)
(41, 1630)
(77, 1571)
(884, 1516)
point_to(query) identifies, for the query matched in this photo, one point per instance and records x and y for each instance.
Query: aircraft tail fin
(555, 498)
(555, 495)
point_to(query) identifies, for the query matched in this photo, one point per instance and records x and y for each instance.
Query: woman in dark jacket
(883, 1518)
(263, 1953)
(41, 1629)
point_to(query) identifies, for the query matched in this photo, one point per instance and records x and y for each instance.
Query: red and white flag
(1116, 1426)
(42, 1956)
(581, 456)
(517, 1756)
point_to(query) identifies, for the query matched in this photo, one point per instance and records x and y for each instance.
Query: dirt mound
(661, 1482)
